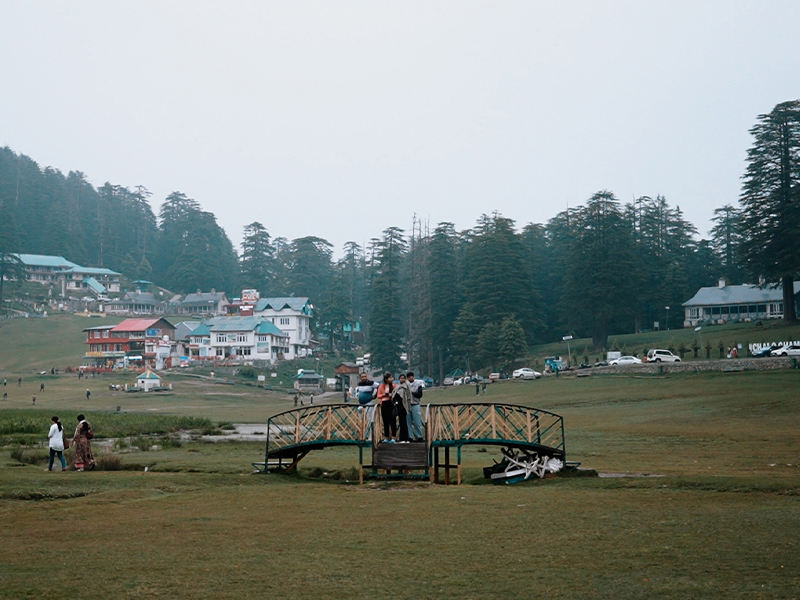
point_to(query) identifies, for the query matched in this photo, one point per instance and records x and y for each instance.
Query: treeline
(447, 298)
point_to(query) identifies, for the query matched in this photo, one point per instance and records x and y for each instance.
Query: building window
(284, 320)
(221, 338)
(105, 333)
(241, 337)
(220, 352)
(244, 351)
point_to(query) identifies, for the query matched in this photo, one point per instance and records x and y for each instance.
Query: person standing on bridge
(387, 408)
(401, 397)
(415, 416)
(366, 389)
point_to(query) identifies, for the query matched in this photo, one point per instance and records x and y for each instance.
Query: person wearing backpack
(57, 440)
(84, 460)
(414, 416)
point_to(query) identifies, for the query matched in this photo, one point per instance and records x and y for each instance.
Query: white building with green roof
(238, 339)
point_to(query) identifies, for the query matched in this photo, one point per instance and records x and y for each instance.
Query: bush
(109, 462)
(30, 457)
(170, 442)
(142, 443)
(248, 372)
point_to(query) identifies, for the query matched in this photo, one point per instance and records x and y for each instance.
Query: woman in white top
(56, 436)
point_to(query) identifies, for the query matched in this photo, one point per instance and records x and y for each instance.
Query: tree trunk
(789, 310)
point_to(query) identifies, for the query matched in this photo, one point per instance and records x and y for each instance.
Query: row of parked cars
(780, 350)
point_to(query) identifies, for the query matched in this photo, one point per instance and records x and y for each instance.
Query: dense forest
(448, 298)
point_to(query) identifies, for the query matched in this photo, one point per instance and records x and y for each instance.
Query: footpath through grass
(721, 520)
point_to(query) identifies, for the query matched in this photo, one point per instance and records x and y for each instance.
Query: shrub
(109, 462)
(248, 372)
(170, 442)
(30, 457)
(142, 443)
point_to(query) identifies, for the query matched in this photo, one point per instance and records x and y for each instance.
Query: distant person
(296, 398)
(477, 387)
(19, 382)
(41, 387)
(57, 439)
(387, 409)
(401, 399)
(88, 394)
(346, 394)
(311, 399)
(366, 389)
(5, 381)
(414, 417)
(483, 385)
(83, 446)
(34, 399)
(5, 395)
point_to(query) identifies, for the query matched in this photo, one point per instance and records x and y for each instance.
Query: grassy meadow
(699, 498)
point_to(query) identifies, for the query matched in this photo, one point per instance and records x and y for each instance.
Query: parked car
(494, 377)
(767, 351)
(526, 373)
(787, 350)
(448, 381)
(662, 356)
(625, 360)
(601, 363)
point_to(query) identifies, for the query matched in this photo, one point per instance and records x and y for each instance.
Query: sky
(340, 119)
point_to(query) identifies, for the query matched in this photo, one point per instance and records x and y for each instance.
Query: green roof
(267, 328)
(42, 260)
(200, 330)
(148, 375)
(95, 285)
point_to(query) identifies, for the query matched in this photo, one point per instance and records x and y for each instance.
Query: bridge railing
(498, 423)
(325, 423)
(447, 424)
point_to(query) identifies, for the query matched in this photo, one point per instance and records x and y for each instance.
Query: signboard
(262, 378)
(250, 296)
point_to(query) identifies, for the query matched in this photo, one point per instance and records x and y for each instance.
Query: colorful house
(136, 341)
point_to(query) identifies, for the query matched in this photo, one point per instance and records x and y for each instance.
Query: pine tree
(771, 201)
(386, 320)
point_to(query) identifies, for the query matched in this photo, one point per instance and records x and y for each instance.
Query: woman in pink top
(387, 408)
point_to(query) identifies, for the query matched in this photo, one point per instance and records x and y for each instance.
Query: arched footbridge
(291, 435)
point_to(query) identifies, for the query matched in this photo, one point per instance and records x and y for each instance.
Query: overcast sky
(339, 119)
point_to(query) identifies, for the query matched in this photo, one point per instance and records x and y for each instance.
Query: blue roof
(738, 294)
(268, 327)
(91, 270)
(42, 260)
(95, 285)
(298, 304)
(200, 330)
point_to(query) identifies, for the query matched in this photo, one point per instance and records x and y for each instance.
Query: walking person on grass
(83, 446)
(57, 439)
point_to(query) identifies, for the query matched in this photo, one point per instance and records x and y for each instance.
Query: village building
(735, 303)
(203, 303)
(46, 269)
(293, 317)
(238, 339)
(134, 342)
(148, 381)
(136, 303)
(308, 381)
(347, 375)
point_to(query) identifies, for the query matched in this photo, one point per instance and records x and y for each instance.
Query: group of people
(399, 405)
(81, 443)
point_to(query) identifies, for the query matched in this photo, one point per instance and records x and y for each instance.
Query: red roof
(138, 324)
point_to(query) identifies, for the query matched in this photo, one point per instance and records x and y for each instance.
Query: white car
(625, 360)
(787, 350)
(662, 356)
(526, 373)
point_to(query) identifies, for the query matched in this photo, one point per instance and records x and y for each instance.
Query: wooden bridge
(291, 435)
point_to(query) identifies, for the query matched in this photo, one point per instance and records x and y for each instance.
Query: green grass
(721, 519)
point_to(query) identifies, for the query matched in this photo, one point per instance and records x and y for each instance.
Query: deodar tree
(771, 201)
